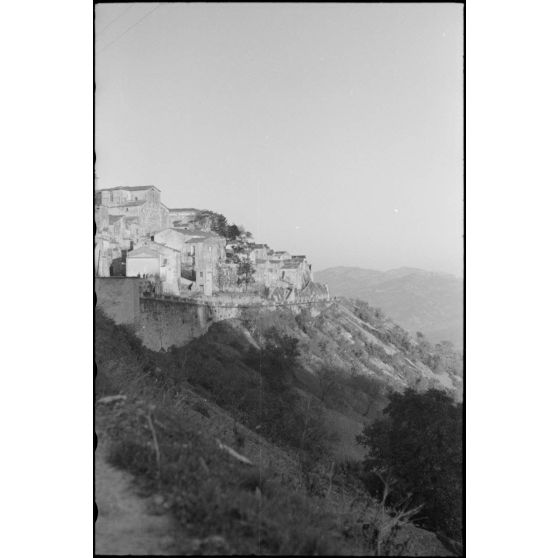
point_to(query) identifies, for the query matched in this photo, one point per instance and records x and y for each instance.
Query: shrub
(419, 445)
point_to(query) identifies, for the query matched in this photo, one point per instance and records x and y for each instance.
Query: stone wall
(161, 322)
(118, 297)
(101, 217)
(153, 217)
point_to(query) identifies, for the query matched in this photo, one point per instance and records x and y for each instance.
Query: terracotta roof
(182, 209)
(114, 218)
(129, 188)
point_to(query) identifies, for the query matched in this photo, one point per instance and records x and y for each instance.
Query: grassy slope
(274, 506)
(208, 491)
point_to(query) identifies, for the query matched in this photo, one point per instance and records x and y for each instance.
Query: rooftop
(164, 246)
(173, 229)
(129, 188)
(143, 252)
(201, 237)
(198, 234)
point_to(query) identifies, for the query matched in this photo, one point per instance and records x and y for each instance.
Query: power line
(115, 19)
(130, 28)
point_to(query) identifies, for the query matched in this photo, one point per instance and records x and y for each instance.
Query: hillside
(246, 435)
(418, 300)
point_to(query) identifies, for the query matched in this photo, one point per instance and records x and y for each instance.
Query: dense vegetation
(256, 386)
(417, 448)
(219, 224)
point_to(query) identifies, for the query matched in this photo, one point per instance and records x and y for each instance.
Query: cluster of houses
(137, 235)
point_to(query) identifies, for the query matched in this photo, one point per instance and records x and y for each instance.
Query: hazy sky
(332, 130)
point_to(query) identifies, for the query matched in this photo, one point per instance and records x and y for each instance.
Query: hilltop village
(188, 252)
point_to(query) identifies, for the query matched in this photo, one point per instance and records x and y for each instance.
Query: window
(201, 274)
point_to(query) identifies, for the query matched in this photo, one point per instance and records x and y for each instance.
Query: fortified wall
(161, 322)
(119, 297)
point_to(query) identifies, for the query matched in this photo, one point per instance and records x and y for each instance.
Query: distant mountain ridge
(418, 300)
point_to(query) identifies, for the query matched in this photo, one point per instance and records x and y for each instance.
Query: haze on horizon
(331, 130)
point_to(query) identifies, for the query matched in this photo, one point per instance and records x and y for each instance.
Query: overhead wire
(130, 28)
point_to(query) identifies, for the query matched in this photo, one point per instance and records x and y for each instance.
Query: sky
(331, 130)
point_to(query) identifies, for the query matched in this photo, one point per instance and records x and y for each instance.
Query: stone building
(204, 252)
(125, 231)
(281, 255)
(142, 262)
(200, 254)
(106, 251)
(173, 237)
(296, 273)
(258, 252)
(143, 202)
(306, 267)
(267, 272)
(101, 217)
(121, 195)
(158, 261)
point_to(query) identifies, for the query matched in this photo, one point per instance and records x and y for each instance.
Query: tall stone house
(141, 202)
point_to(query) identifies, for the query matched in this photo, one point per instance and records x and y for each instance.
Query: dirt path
(124, 524)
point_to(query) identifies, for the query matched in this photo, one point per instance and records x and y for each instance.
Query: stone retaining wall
(163, 321)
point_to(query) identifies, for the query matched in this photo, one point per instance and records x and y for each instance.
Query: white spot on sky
(396, 210)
